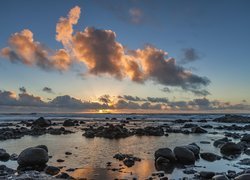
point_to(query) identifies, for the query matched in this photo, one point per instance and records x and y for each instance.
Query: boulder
(206, 174)
(198, 130)
(166, 153)
(41, 122)
(68, 122)
(33, 156)
(246, 138)
(220, 177)
(243, 177)
(210, 156)
(129, 162)
(4, 156)
(184, 155)
(230, 148)
(220, 142)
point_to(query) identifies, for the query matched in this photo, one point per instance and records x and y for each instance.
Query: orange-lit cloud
(99, 51)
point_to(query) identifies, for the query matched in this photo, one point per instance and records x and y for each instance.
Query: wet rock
(228, 118)
(129, 162)
(194, 148)
(43, 147)
(184, 155)
(119, 156)
(89, 134)
(51, 170)
(41, 122)
(220, 142)
(246, 138)
(243, 177)
(220, 177)
(166, 153)
(210, 156)
(33, 156)
(206, 174)
(13, 157)
(205, 142)
(64, 175)
(245, 161)
(68, 153)
(198, 130)
(230, 148)
(149, 131)
(68, 123)
(4, 156)
(60, 160)
(247, 152)
(189, 171)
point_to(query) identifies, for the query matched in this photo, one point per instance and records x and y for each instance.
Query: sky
(125, 56)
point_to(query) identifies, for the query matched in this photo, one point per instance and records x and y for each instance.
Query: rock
(205, 142)
(184, 155)
(68, 153)
(247, 152)
(243, 177)
(13, 157)
(245, 161)
(64, 176)
(210, 156)
(228, 118)
(68, 122)
(189, 171)
(162, 161)
(60, 160)
(246, 138)
(89, 134)
(119, 156)
(220, 142)
(51, 170)
(4, 156)
(220, 177)
(41, 122)
(207, 174)
(194, 148)
(33, 156)
(230, 148)
(166, 153)
(43, 147)
(198, 130)
(129, 162)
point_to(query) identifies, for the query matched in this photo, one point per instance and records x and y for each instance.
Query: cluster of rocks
(110, 131)
(128, 159)
(228, 118)
(32, 163)
(33, 128)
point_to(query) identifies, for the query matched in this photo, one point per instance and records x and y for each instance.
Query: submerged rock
(51, 170)
(198, 130)
(4, 156)
(210, 156)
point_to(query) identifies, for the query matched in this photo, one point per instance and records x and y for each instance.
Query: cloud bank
(120, 103)
(99, 51)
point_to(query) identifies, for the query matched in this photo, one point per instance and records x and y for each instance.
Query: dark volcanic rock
(68, 122)
(233, 119)
(210, 156)
(184, 155)
(220, 177)
(230, 148)
(246, 138)
(129, 162)
(206, 174)
(243, 177)
(198, 130)
(33, 156)
(166, 153)
(41, 122)
(220, 142)
(51, 170)
(4, 156)
(149, 131)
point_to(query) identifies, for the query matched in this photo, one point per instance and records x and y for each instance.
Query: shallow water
(91, 155)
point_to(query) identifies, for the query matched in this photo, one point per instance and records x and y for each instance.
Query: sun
(104, 111)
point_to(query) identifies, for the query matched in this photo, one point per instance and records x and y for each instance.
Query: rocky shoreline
(33, 161)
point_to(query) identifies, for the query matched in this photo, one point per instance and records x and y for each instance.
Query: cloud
(24, 100)
(136, 15)
(22, 48)
(22, 89)
(105, 99)
(157, 100)
(48, 90)
(132, 98)
(99, 51)
(189, 55)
